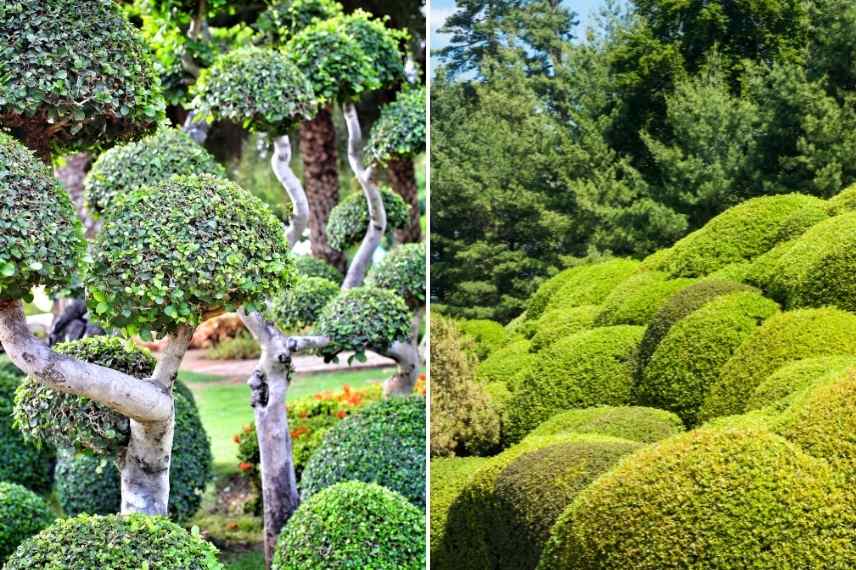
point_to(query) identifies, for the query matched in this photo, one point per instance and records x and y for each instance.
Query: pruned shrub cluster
(22, 514)
(487, 335)
(349, 219)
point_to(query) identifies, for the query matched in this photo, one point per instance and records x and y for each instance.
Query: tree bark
(402, 177)
(406, 355)
(321, 173)
(377, 214)
(281, 164)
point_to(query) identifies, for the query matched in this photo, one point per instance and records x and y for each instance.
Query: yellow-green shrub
(844, 201)
(791, 378)
(636, 300)
(449, 475)
(635, 423)
(488, 335)
(508, 364)
(557, 324)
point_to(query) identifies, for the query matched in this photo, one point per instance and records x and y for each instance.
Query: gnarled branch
(407, 356)
(281, 163)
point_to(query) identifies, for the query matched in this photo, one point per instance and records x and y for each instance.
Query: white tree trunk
(406, 354)
(281, 164)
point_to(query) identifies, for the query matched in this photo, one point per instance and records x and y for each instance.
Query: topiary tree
(115, 543)
(775, 391)
(308, 266)
(676, 500)
(634, 423)
(383, 443)
(349, 220)
(301, 306)
(396, 138)
(22, 514)
(353, 524)
(403, 271)
(99, 88)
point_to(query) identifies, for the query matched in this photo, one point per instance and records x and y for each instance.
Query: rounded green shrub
(301, 305)
(711, 498)
(148, 162)
(534, 489)
(380, 43)
(76, 70)
(742, 233)
(364, 318)
(349, 220)
(488, 335)
(678, 306)
(282, 20)
(384, 443)
(634, 423)
(817, 270)
(764, 273)
(400, 130)
(737, 272)
(556, 324)
(20, 460)
(509, 364)
(22, 514)
(582, 285)
(69, 421)
(353, 525)
(791, 378)
(587, 369)
(41, 238)
(784, 338)
(636, 300)
(257, 87)
(844, 201)
(308, 266)
(403, 270)
(171, 253)
(115, 543)
(189, 472)
(449, 475)
(689, 359)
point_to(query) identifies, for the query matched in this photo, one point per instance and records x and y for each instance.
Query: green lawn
(224, 404)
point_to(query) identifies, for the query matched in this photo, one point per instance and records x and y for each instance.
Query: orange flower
(245, 467)
(237, 439)
(341, 414)
(296, 433)
(232, 525)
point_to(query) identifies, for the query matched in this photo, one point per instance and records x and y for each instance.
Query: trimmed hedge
(308, 266)
(556, 324)
(763, 271)
(41, 237)
(782, 339)
(353, 525)
(791, 378)
(20, 461)
(300, 306)
(634, 423)
(534, 489)
(509, 364)
(488, 335)
(115, 543)
(742, 233)
(711, 498)
(403, 270)
(281, 20)
(678, 306)
(689, 359)
(588, 369)
(400, 131)
(636, 300)
(349, 219)
(87, 483)
(844, 201)
(22, 514)
(383, 443)
(449, 475)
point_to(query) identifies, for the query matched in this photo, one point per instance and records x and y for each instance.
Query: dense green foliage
(689, 359)
(308, 266)
(793, 377)
(556, 324)
(586, 369)
(300, 306)
(509, 364)
(22, 514)
(349, 219)
(115, 543)
(383, 443)
(449, 476)
(75, 74)
(169, 254)
(284, 18)
(148, 162)
(400, 131)
(87, 484)
(637, 299)
(403, 270)
(259, 88)
(21, 461)
(634, 423)
(41, 241)
(352, 525)
(740, 497)
(487, 335)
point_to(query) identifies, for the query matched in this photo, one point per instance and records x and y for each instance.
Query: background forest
(553, 146)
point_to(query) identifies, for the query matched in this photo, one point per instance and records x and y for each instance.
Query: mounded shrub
(76, 70)
(737, 272)
(534, 489)
(381, 44)
(20, 460)
(581, 285)
(711, 498)
(41, 238)
(500, 396)
(22, 514)
(784, 338)
(87, 483)
(384, 443)
(115, 543)
(763, 271)
(308, 266)
(556, 324)
(488, 335)
(636, 300)
(364, 318)
(678, 306)
(634, 423)
(403, 270)
(587, 369)
(400, 130)
(509, 364)
(300, 306)
(791, 378)
(281, 20)
(844, 201)
(349, 219)
(449, 475)
(463, 417)
(353, 525)
(148, 162)
(742, 233)
(170, 254)
(688, 360)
